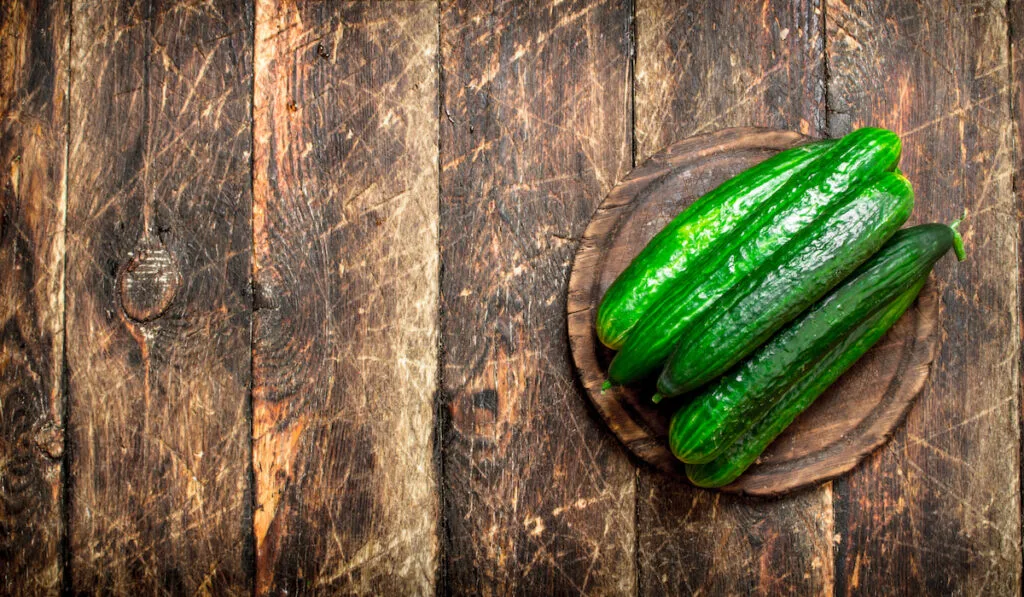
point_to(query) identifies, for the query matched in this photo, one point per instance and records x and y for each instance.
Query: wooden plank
(346, 270)
(701, 67)
(33, 149)
(938, 510)
(159, 299)
(539, 497)
(704, 66)
(1015, 24)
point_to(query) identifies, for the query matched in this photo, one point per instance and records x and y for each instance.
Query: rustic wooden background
(282, 295)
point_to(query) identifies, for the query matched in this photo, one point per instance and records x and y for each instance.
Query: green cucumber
(688, 238)
(784, 286)
(857, 158)
(735, 459)
(719, 415)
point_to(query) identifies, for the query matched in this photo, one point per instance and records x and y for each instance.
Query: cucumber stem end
(958, 241)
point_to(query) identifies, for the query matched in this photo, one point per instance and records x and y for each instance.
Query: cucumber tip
(958, 241)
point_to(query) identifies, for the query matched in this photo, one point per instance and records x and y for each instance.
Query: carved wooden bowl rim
(864, 435)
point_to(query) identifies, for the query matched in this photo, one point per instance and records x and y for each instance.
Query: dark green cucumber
(736, 458)
(719, 415)
(861, 156)
(686, 240)
(784, 286)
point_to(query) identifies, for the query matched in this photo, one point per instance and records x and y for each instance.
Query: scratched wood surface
(34, 39)
(158, 297)
(282, 294)
(538, 498)
(346, 273)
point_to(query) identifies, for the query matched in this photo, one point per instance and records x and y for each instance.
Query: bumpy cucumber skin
(737, 457)
(783, 287)
(719, 415)
(857, 158)
(684, 241)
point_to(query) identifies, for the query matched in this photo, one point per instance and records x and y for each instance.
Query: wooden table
(282, 293)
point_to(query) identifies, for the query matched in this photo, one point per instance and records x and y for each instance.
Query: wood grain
(535, 124)
(938, 511)
(158, 297)
(34, 38)
(705, 66)
(701, 67)
(539, 498)
(346, 271)
(855, 416)
(1015, 24)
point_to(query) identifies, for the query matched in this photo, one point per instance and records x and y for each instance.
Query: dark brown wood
(1015, 24)
(536, 124)
(539, 499)
(346, 268)
(938, 510)
(849, 421)
(704, 66)
(158, 297)
(33, 148)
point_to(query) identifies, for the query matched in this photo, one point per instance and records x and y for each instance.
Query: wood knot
(148, 283)
(50, 440)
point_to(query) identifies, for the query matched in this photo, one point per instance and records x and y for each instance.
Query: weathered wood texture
(1015, 14)
(33, 148)
(538, 496)
(372, 474)
(346, 271)
(702, 66)
(158, 297)
(938, 510)
(855, 416)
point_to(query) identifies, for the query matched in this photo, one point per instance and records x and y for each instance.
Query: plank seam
(65, 388)
(632, 82)
(250, 565)
(1014, 156)
(826, 75)
(633, 50)
(441, 565)
(840, 522)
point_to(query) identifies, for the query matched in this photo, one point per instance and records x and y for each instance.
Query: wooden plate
(855, 416)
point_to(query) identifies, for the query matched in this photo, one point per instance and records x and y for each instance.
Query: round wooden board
(855, 416)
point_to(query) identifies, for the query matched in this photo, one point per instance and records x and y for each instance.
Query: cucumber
(787, 284)
(735, 459)
(688, 238)
(855, 159)
(715, 418)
